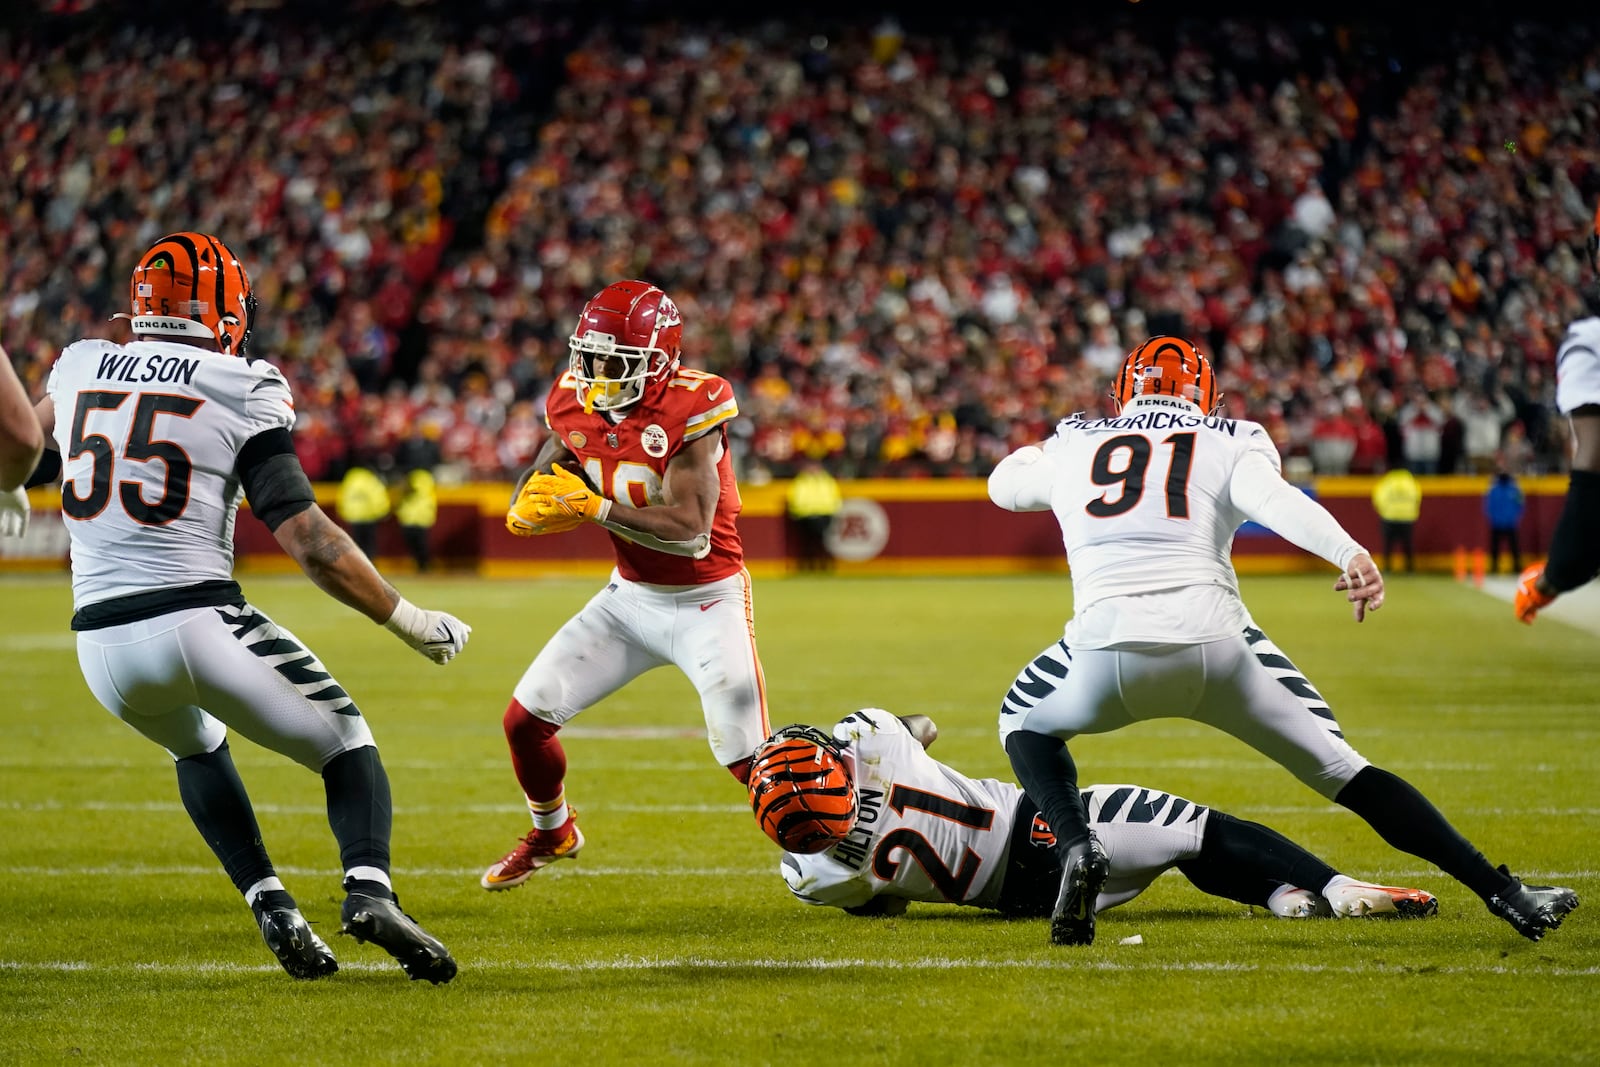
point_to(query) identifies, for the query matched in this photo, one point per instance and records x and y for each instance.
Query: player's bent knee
(523, 726)
(1333, 777)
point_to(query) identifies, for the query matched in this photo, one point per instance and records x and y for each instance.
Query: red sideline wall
(934, 526)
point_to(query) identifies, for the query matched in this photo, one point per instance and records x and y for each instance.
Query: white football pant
(1243, 685)
(184, 678)
(707, 631)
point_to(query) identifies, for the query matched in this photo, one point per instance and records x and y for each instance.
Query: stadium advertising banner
(901, 526)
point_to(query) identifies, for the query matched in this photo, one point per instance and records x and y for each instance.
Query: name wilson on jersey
(121, 367)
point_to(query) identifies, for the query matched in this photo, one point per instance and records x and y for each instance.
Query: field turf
(672, 938)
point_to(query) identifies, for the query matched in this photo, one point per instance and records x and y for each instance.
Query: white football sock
(260, 887)
(551, 814)
(370, 874)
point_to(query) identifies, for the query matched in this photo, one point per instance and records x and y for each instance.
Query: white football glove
(435, 634)
(13, 512)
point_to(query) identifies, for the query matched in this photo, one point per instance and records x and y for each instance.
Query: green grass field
(672, 938)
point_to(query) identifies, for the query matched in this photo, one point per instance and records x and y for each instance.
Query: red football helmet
(628, 336)
(192, 285)
(1167, 366)
(801, 791)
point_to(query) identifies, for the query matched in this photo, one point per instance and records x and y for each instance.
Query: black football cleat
(286, 932)
(421, 955)
(1532, 909)
(1085, 872)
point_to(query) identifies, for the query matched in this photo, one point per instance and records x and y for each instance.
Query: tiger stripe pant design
(186, 678)
(1243, 685)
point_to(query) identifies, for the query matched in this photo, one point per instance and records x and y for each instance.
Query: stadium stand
(910, 249)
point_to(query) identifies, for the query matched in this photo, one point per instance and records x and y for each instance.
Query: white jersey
(150, 434)
(1148, 504)
(924, 831)
(1578, 366)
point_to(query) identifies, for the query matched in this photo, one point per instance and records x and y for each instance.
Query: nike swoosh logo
(707, 607)
(714, 393)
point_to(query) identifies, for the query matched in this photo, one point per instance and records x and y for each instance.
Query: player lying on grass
(872, 822)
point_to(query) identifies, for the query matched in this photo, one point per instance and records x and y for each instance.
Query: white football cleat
(1352, 899)
(1292, 902)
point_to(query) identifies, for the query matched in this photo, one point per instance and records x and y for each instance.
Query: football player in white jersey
(1575, 547)
(1148, 502)
(158, 438)
(21, 440)
(870, 822)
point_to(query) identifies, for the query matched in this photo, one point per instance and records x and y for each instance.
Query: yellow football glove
(533, 513)
(574, 497)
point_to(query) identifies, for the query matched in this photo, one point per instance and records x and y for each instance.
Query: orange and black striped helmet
(192, 285)
(801, 791)
(1167, 366)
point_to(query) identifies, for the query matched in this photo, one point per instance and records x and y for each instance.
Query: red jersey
(627, 461)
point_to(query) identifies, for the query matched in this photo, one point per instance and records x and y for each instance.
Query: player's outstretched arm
(21, 437)
(1259, 491)
(280, 495)
(333, 562)
(1575, 546)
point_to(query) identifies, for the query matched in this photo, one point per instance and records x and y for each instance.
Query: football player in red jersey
(638, 445)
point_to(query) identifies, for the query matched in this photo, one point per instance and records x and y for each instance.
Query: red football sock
(536, 755)
(741, 770)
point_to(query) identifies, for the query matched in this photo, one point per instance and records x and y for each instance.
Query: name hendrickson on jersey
(123, 367)
(1182, 418)
(852, 851)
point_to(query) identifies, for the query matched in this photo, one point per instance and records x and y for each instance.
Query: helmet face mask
(1167, 366)
(801, 790)
(191, 287)
(610, 376)
(627, 339)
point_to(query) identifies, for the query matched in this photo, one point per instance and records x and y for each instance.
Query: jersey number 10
(1130, 474)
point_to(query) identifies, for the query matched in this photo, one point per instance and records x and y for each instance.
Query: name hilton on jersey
(852, 851)
(127, 368)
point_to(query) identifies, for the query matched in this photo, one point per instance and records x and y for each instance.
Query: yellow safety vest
(362, 497)
(1397, 497)
(814, 493)
(419, 505)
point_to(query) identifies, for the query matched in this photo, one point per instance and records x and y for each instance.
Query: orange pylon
(1461, 563)
(1480, 565)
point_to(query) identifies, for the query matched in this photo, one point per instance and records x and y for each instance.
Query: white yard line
(577, 870)
(172, 806)
(927, 963)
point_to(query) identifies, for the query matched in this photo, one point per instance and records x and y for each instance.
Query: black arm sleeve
(1575, 548)
(48, 471)
(274, 482)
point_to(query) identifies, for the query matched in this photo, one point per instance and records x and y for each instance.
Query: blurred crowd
(910, 252)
